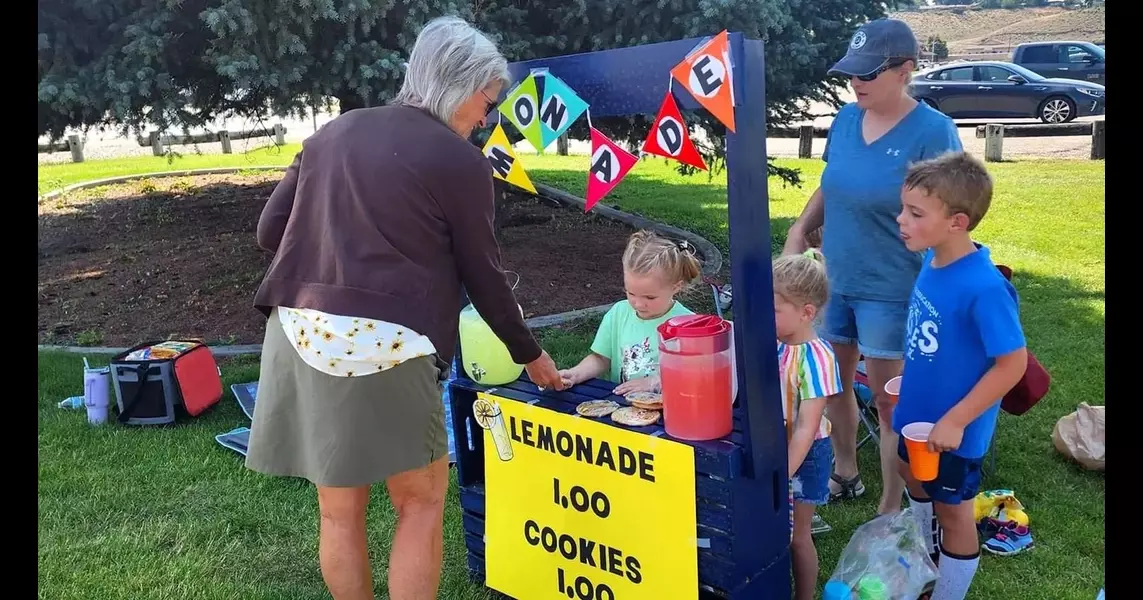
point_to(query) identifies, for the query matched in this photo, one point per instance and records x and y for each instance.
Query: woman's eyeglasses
(891, 63)
(489, 102)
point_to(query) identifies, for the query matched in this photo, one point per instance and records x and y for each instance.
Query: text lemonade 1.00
(589, 511)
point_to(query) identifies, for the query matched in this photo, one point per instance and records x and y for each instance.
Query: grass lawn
(158, 513)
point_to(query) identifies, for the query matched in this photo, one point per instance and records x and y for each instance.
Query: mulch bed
(177, 257)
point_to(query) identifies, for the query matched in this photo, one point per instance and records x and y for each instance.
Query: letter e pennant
(505, 165)
(705, 72)
(609, 165)
(523, 110)
(669, 136)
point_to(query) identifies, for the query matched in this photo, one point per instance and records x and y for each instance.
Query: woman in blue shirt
(869, 147)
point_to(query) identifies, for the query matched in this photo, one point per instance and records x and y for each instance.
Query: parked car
(992, 89)
(1069, 60)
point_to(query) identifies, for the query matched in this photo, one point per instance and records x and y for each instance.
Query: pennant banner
(609, 165)
(560, 108)
(522, 108)
(705, 72)
(670, 138)
(505, 164)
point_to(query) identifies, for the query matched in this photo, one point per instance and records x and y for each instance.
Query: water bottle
(96, 388)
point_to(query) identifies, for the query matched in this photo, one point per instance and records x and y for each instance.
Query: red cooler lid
(693, 326)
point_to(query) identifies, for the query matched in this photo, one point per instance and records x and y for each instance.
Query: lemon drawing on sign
(488, 416)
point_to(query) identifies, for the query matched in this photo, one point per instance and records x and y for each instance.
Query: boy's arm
(997, 318)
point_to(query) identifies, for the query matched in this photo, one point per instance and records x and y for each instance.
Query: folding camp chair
(867, 412)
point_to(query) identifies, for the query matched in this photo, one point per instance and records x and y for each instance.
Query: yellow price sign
(577, 509)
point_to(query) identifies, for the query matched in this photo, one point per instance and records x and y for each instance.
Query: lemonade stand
(559, 505)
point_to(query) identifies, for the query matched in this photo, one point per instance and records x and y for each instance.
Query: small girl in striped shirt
(809, 375)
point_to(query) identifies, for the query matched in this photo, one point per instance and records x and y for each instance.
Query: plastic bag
(1079, 436)
(886, 559)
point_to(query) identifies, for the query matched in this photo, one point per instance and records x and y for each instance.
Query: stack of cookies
(645, 409)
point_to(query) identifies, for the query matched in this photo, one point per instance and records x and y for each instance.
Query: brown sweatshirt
(384, 214)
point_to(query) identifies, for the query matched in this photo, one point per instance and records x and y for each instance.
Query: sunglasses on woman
(890, 63)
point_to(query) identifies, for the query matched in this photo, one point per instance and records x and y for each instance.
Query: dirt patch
(174, 257)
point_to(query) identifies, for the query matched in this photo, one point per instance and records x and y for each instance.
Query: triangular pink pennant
(669, 137)
(609, 165)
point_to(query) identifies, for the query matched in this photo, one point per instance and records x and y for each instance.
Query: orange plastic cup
(893, 389)
(922, 462)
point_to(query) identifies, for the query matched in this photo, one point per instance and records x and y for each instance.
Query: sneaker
(818, 525)
(1012, 539)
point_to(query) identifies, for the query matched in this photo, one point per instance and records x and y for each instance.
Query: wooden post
(1098, 128)
(805, 141)
(156, 144)
(993, 142)
(76, 148)
(279, 134)
(562, 145)
(224, 137)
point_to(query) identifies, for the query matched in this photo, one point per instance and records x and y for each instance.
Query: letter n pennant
(560, 108)
(670, 138)
(705, 72)
(505, 164)
(609, 165)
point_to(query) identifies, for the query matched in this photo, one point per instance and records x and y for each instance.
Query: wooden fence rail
(994, 135)
(158, 143)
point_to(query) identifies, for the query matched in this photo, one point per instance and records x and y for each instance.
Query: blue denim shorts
(958, 478)
(810, 485)
(876, 326)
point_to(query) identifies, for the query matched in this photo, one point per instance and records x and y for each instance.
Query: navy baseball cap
(875, 43)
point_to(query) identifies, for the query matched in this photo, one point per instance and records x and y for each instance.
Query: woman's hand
(543, 373)
(643, 384)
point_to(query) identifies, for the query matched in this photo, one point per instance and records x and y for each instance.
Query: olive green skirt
(344, 431)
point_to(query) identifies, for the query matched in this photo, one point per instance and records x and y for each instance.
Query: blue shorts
(958, 478)
(876, 326)
(810, 485)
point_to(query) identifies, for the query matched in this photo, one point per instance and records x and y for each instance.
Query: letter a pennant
(669, 136)
(505, 165)
(560, 108)
(522, 109)
(705, 72)
(609, 165)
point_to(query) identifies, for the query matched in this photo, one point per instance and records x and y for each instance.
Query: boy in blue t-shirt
(964, 350)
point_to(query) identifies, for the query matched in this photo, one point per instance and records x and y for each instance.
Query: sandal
(850, 488)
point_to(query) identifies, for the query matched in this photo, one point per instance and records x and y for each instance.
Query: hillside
(975, 32)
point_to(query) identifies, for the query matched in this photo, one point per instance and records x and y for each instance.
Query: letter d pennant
(505, 164)
(669, 136)
(609, 165)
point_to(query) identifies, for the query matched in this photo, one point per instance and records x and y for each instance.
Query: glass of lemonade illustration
(488, 416)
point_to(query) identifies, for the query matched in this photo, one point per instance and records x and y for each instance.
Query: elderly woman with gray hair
(382, 217)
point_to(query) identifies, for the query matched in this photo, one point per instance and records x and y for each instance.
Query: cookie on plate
(647, 400)
(633, 416)
(596, 408)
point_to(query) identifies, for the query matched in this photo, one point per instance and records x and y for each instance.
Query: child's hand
(569, 377)
(643, 384)
(945, 436)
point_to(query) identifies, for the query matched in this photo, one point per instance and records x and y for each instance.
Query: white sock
(923, 512)
(956, 574)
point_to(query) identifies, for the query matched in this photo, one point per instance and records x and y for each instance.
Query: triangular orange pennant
(670, 138)
(609, 165)
(705, 72)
